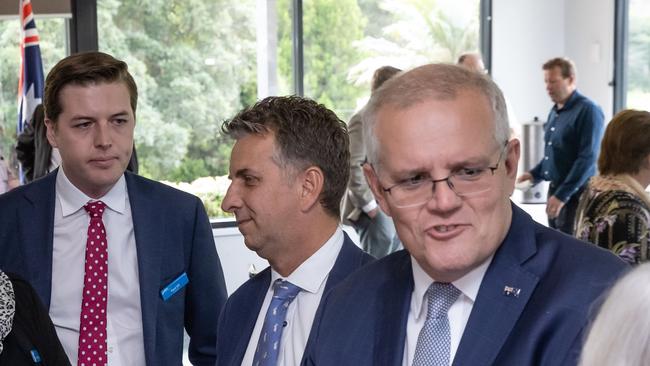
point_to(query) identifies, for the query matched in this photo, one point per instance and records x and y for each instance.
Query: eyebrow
(243, 172)
(118, 114)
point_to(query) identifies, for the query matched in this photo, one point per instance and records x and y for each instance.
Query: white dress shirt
(125, 343)
(458, 312)
(311, 276)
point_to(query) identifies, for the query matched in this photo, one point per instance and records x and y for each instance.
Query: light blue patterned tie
(434, 341)
(268, 346)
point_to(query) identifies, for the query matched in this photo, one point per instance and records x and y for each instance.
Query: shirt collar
(72, 199)
(468, 285)
(311, 274)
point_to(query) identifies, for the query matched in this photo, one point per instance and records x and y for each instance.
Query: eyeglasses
(419, 189)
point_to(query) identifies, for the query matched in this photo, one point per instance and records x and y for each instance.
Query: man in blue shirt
(571, 143)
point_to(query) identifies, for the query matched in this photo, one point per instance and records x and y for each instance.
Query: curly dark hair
(306, 134)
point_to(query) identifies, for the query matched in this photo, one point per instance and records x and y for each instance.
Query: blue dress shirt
(572, 137)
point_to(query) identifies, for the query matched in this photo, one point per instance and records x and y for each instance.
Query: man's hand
(524, 177)
(553, 207)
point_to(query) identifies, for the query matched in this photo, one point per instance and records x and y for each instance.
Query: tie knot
(285, 290)
(95, 209)
(440, 296)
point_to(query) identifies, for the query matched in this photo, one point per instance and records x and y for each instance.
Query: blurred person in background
(360, 210)
(614, 210)
(572, 136)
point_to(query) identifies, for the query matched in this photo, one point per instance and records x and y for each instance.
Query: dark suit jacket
(172, 235)
(242, 308)
(364, 319)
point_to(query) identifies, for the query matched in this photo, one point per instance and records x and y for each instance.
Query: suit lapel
(245, 316)
(147, 241)
(37, 233)
(393, 315)
(497, 309)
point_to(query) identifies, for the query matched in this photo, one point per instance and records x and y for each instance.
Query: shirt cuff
(370, 206)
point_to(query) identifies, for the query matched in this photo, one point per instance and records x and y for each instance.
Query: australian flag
(30, 82)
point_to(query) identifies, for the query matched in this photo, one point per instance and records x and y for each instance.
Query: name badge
(175, 286)
(36, 357)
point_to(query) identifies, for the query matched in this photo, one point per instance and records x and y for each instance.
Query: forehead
(435, 132)
(95, 97)
(554, 72)
(253, 151)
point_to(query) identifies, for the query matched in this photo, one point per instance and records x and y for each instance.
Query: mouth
(445, 232)
(103, 162)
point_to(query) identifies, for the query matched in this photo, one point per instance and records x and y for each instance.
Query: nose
(103, 135)
(231, 201)
(444, 198)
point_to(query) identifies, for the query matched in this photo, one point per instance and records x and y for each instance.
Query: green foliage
(192, 72)
(330, 28)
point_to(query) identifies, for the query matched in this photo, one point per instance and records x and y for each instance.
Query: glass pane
(345, 41)
(195, 65)
(638, 63)
(53, 44)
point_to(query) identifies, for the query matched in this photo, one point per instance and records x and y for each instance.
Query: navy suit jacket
(172, 236)
(364, 319)
(243, 307)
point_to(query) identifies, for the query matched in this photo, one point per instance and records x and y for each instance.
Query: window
(638, 67)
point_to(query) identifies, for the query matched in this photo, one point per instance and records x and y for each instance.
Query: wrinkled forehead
(435, 132)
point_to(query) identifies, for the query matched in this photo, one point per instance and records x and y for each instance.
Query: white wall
(590, 43)
(526, 33)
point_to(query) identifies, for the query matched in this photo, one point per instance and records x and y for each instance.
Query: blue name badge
(175, 286)
(36, 357)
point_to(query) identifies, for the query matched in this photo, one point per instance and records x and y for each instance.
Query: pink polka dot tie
(92, 328)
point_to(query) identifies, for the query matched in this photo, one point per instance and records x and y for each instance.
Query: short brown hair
(567, 67)
(382, 74)
(432, 82)
(626, 143)
(306, 134)
(84, 69)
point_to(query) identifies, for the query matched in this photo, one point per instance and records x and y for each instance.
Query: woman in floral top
(614, 210)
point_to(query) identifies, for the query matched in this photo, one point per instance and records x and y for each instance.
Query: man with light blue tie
(289, 169)
(479, 282)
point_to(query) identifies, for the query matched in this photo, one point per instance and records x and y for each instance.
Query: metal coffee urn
(532, 153)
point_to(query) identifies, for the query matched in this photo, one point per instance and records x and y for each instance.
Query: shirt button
(546, 172)
(546, 158)
(550, 143)
(552, 128)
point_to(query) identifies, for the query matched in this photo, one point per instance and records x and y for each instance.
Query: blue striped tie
(268, 346)
(434, 341)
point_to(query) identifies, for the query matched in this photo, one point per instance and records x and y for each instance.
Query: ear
(312, 181)
(512, 158)
(51, 132)
(375, 186)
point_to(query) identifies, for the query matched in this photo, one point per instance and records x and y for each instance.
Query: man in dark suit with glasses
(479, 282)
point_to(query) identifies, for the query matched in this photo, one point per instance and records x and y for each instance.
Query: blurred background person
(360, 210)
(8, 179)
(614, 210)
(34, 152)
(572, 137)
(620, 334)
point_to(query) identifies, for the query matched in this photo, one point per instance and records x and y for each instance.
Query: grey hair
(620, 334)
(433, 81)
